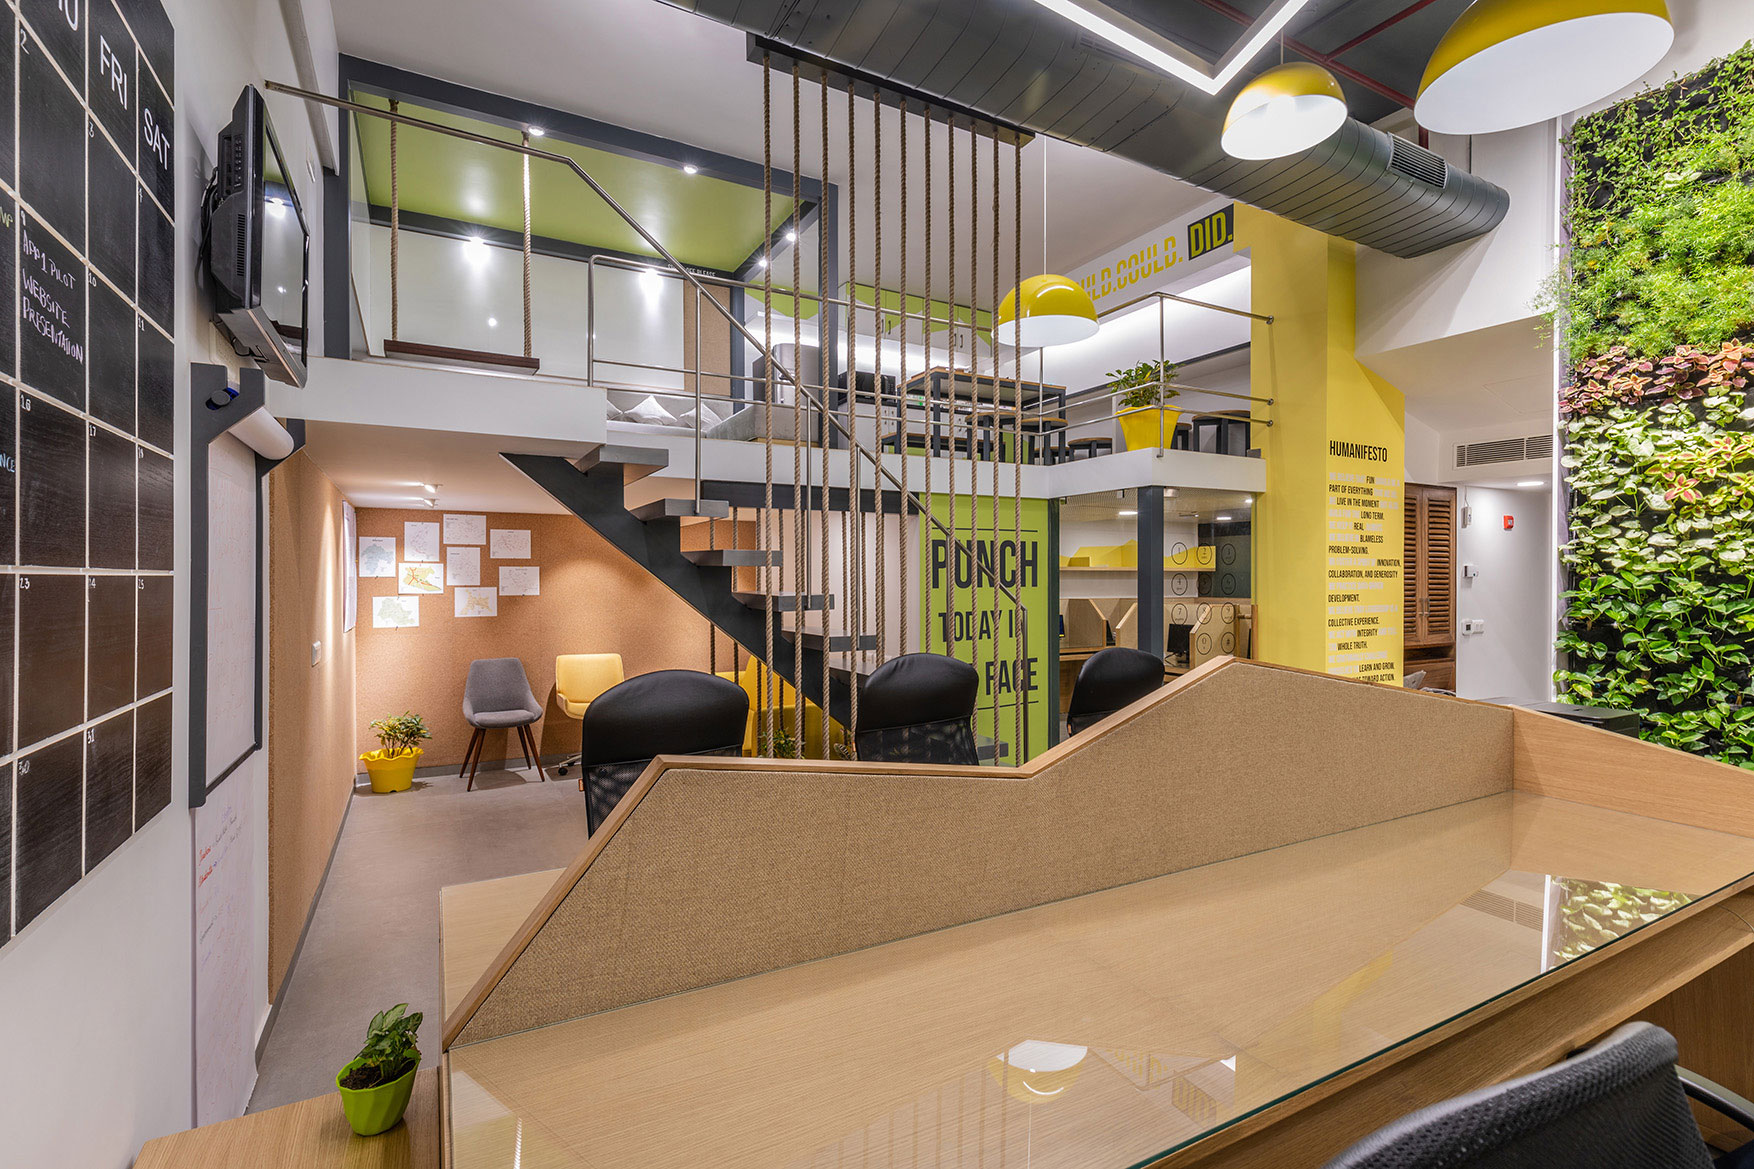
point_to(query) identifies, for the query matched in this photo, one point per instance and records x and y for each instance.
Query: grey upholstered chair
(497, 697)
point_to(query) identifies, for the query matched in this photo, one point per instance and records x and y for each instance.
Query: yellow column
(1328, 531)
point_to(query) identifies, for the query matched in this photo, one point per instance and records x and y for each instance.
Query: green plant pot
(374, 1110)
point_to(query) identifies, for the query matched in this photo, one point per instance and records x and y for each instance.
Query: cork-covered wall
(593, 600)
(310, 707)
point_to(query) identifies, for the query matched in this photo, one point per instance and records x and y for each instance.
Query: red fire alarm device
(1509, 522)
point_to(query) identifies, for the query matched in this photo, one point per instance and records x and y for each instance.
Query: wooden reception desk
(1123, 953)
(812, 964)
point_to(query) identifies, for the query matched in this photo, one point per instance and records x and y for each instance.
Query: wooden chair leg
(474, 745)
(475, 765)
(536, 752)
(524, 746)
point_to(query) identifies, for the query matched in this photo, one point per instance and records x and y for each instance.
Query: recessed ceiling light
(1532, 483)
(688, 168)
(791, 237)
(1224, 519)
(1162, 53)
(537, 131)
(761, 263)
(280, 288)
(430, 488)
(1124, 514)
(493, 322)
(1248, 501)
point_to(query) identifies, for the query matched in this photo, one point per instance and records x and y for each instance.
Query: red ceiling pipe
(1391, 22)
(1323, 59)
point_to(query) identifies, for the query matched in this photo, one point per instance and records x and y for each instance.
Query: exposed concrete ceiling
(650, 67)
(1493, 376)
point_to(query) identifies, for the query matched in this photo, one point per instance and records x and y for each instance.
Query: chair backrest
(668, 712)
(498, 684)
(586, 677)
(1109, 680)
(919, 708)
(1618, 1105)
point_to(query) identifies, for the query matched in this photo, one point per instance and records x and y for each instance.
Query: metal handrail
(700, 291)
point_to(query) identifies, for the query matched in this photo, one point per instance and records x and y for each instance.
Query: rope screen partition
(800, 575)
(527, 349)
(901, 406)
(851, 528)
(1020, 678)
(880, 519)
(395, 227)
(823, 340)
(767, 403)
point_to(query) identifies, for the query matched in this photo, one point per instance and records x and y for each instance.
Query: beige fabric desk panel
(708, 874)
(1097, 1032)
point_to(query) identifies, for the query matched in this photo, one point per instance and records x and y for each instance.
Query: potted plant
(1140, 393)
(392, 765)
(376, 1083)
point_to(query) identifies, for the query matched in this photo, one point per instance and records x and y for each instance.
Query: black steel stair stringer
(598, 498)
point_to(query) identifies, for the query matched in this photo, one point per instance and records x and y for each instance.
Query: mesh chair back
(668, 712)
(1110, 680)
(919, 708)
(1618, 1105)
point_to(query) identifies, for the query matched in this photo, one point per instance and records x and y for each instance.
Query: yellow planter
(1141, 430)
(392, 773)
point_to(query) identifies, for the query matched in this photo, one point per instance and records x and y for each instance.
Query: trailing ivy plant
(1655, 303)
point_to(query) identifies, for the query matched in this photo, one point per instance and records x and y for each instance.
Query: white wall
(1424, 452)
(1513, 592)
(95, 1040)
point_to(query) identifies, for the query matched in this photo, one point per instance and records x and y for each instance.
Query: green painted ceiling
(704, 221)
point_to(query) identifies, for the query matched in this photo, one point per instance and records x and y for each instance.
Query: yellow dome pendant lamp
(1056, 311)
(1285, 110)
(1511, 63)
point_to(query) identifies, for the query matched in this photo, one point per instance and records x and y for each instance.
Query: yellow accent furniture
(580, 679)
(750, 677)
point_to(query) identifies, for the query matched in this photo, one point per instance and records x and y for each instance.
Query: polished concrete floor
(373, 941)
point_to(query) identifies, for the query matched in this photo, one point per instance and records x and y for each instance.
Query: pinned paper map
(377, 556)
(420, 541)
(465, 529)
(523, 580)
(395, 612)
(510, 544)
(477, 602)
(463, 566)
(421, 578)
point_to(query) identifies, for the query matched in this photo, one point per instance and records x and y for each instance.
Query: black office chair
(1110, 680)
(668, 712)
(919, 708)
(1618, 1105)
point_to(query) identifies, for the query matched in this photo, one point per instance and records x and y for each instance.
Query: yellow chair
(751, 678)
(581, 678)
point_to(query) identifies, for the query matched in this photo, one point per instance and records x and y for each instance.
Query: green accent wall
(704, 221)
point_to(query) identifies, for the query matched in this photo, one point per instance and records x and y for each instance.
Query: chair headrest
(667, 712)
(917, 688)
(1113, 678)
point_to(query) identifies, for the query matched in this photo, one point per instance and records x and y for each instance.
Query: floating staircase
(594, 489)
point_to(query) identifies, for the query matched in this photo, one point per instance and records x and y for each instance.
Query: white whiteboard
(227, 986)
(232, 586)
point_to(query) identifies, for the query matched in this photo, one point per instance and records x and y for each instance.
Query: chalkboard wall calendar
(87, 425)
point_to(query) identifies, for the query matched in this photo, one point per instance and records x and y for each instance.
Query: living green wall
(1654, 310)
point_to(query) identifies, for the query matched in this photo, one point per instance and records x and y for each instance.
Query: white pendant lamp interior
(1511, 63)
(1285, 110)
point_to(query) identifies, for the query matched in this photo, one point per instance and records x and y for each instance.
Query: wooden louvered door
(1429, 574)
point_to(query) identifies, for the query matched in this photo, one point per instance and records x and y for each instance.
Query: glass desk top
(1099, 1032)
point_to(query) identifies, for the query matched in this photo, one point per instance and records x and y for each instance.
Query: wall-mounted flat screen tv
(258, 245)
